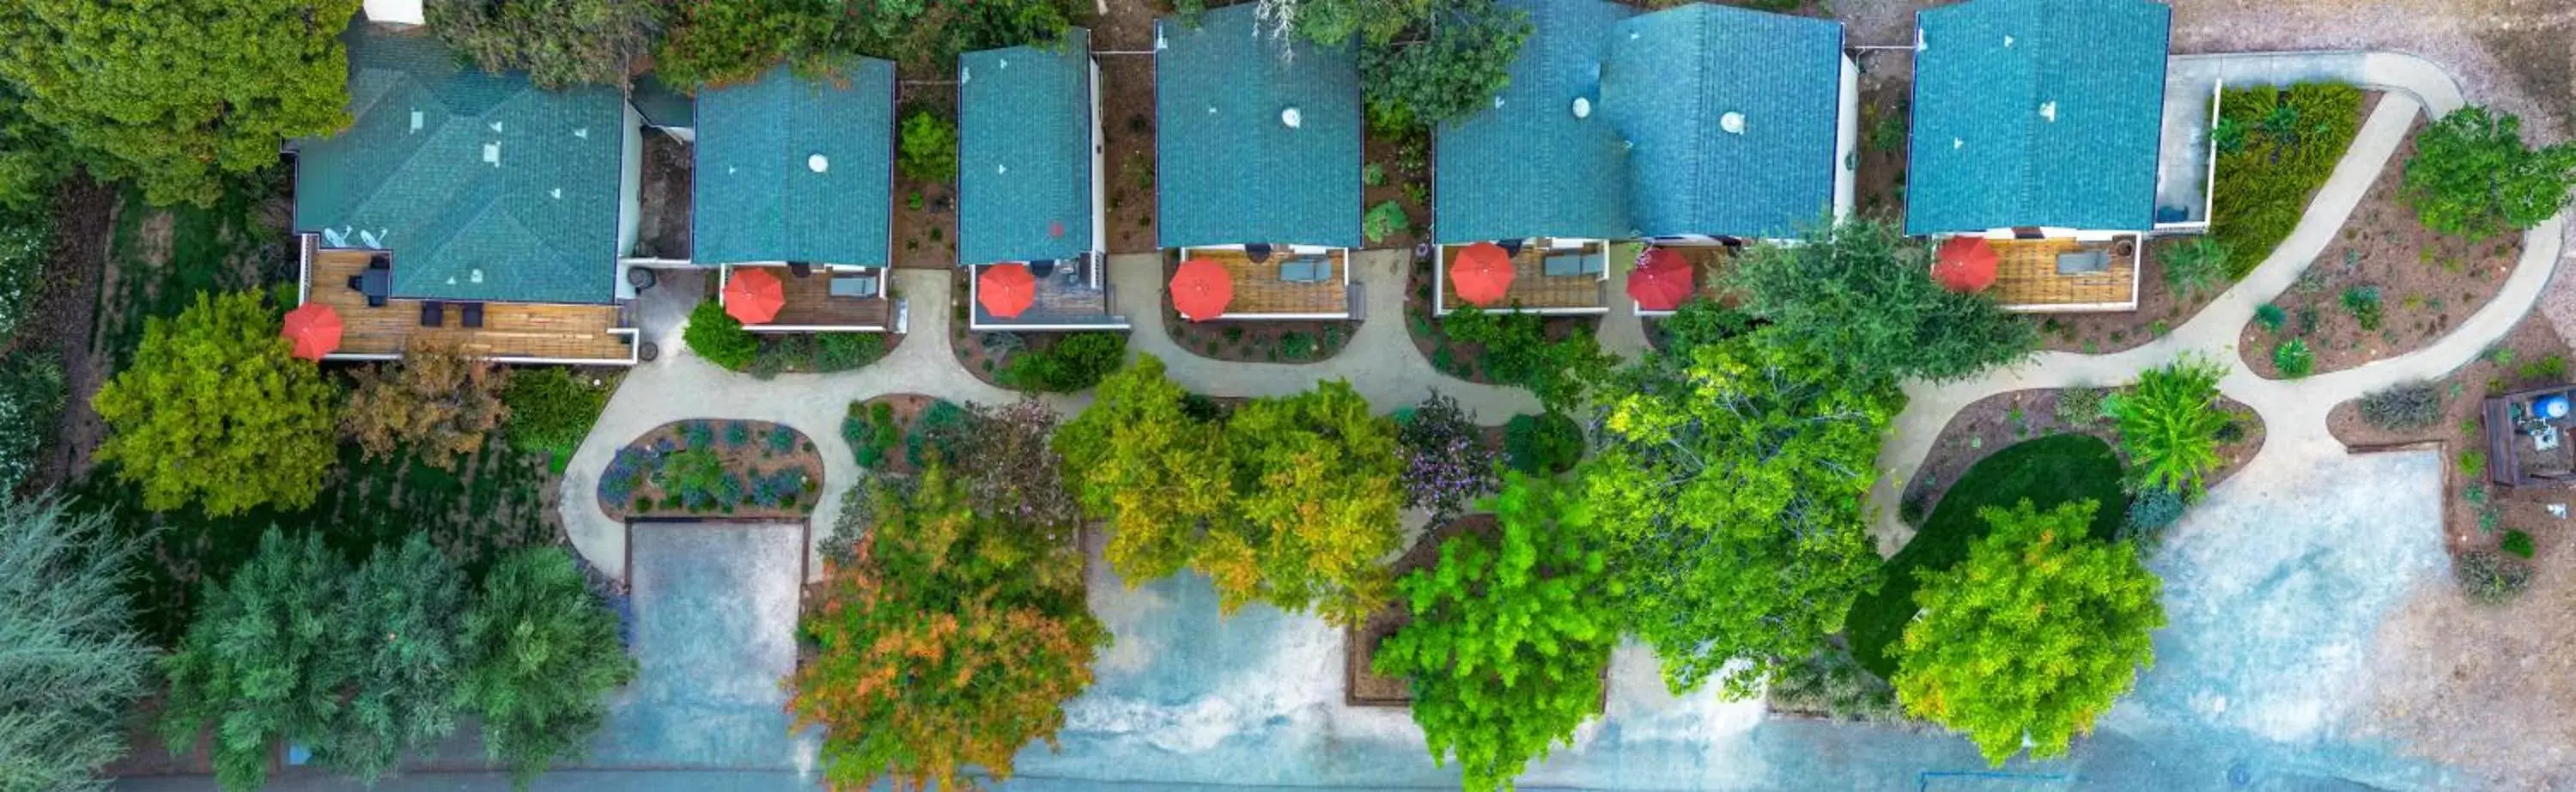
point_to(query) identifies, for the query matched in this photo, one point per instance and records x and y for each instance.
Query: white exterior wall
(630, 181)
(1847, 141)
(394, 12)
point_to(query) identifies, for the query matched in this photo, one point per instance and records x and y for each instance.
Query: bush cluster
(1542, 445)
(1075, 362)
(2404, 406)
(719, 338)
(814, 353)
(1446, 461)
(550, 409)
(2472, 175)
(2276, 146)
(1834, 685)
(1517, 352)
(2490, 578)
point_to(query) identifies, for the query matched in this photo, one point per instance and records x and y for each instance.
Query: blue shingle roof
(1024, 152)
(759, 195)
(1229, 171)
(1527, 167)
(2037, 113)
(1679, 80)
(482, 186)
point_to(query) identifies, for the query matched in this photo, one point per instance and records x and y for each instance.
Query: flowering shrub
(1446, 462)
(617, 483)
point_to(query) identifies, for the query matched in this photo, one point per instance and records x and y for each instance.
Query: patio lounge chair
(470, 315)
(1306, 269)
(433, 313)
(2083, 262)
(1566, 265)
(854, 286)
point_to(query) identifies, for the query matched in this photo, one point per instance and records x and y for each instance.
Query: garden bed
(1997, 422)
(1886, 98)
(1401, 167)
(2263, 187)
(1255, 341)
(1126, 119)
(2532, 356)
(988, 353)
(1364, 688)
(925, 210)
(2412, 284)
(819, 353)
(896, 433)
(1458, 358)
(710, 468)
(2159, 311)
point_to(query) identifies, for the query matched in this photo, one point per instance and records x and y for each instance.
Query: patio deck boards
(2026, 275)
(1258, 289)
(510, 330)
(810, 302)
(1532, 287)
(1058, 303)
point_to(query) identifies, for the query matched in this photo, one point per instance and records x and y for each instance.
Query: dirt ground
(664, 201)
(1364, 688)
(65, 312)
(1123, 44)
(1997, 422)
(1404, 163)
(925, 212)
(2538, 358)
(1886, 103)
(2426, 281)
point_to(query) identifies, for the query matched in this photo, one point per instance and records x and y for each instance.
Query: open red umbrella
(315, 329)
(1662, 280)
(753, 295)
(1965, 264)
(1005, 290)
(1201, 289)
(1482, 272)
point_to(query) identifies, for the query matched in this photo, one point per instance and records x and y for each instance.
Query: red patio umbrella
(1662, 280)
(1005, 290)
(1201, 289)
(315, 329)
(1482, 272)
(1965, 264)
(753, 295)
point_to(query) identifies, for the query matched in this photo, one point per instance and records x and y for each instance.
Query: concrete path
(2293, 411)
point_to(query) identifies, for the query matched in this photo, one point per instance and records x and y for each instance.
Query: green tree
(33, 157)
(929, 150)
(1337, 22)
(718, 337)
(399, 623)
(1317, 499)
(2169, 424)
(1859, 292)
(1731, 487)
(260, 661)
(1508, 644)
(1451, 73)
(175, 94)
(70, 660)
(2472, 175)
(215, 409)
(560, 43)
(545, 655)
(2033, 636)
(952, 640)
(1154, 473)
(1560, 373)
(714, 42)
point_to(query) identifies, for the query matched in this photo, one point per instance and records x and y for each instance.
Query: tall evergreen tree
(70, 661)
(400, 627)
(547, 653)
(259, 662)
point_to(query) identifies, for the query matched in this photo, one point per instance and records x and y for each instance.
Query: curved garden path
(2293, 411)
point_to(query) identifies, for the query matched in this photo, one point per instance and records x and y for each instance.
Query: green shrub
(2150, 512)
(2288, 143)
(2473, 463)
(32, 391)
(2489, 578)
(2294, 359)
(25, 241)
(2196, 265)
(2473, 176)
(2404, 406)
(1832, 684)
(929, 150)
(2517, 543)
(2169, 424)
(2363, 302)
(1449, 71)
(1517, 352)
(1384, 220)
(1074, 363)
(2081, 407)
(1542, 445)
(1296, 346)
(550, 409)
(2271, 317)
(719, 338)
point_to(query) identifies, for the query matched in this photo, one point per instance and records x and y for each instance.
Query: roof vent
(1582, 107)
(1005, 62)
(2008, 41)
(1292, 118)
(1958, 143)
(2048, 110)
(1498, 101)
(1001, 170)
(965, 74)
(474, 275)
(817, 163)
(415, 120)
(496, 126)
(583, 133)
(1732, 122)
(492, 154)
(556, 192)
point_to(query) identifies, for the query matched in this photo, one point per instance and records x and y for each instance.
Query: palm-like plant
(2196, 265)
(2169, 424)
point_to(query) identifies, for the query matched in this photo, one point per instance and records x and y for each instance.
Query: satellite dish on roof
(1582, 107)
(817, 163)
(1291, 118)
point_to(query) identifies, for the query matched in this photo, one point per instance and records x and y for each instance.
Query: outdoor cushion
(1558, 265)
(861, 286)
(2083, 262)
(1305, 269)
(1591, 263)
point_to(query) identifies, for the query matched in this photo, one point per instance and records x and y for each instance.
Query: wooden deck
(810, 303)
(1531, 288)
(1707, 263)
(2026, 276)
(1258, 289)
(510, 331)
(1060, 302)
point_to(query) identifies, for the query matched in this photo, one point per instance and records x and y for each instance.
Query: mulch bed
(1405, 162)
(2427, 282)
(925, 212)
(1886, 96)
(904, 411)
(1126, 118)
(1459, 359)
(60, 322)
(1363, 688)
(751, 451)
(1997, 422)
(2159, 311)
(2534, 343)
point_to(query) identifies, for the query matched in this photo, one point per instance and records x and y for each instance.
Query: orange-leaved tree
(951, 640)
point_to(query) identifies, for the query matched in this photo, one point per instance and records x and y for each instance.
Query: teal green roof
(1527, 167)
(482, 186)
(2037, 113)
(1024, 152)
(796, 169)
(1229, 170)
(1678, 80)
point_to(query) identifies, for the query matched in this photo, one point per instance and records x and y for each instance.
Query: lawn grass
(2263, 187)
(2049, 471)
(492, 502)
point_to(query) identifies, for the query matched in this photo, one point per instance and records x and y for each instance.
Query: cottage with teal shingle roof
(2040, 114)
(1028, 181)
(480, 186)
(1542, 161)
(796, 169)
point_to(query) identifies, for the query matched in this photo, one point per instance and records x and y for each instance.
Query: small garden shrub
(2196, 265)
(2169, 424)
(1517, 352)
(550, 409)
(2081, 406)
(929, 150)
(2473, 176)
(2517, 543)
(2150, 513)
(737, 434)
(1831, 683)
(2271, 317)
(2404, 406)
(1074, 363)
(697, 434)
(2276, 147)
(2550, 368)
(2473, 463)
(32, 391)
(782, 441)
(1446, 462)
(940, 428)
(2294, 359)
(1384, 220)
(1296, 346)
(719, 338)
(2489, 578)
(1542, 445)
(2363, 302)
